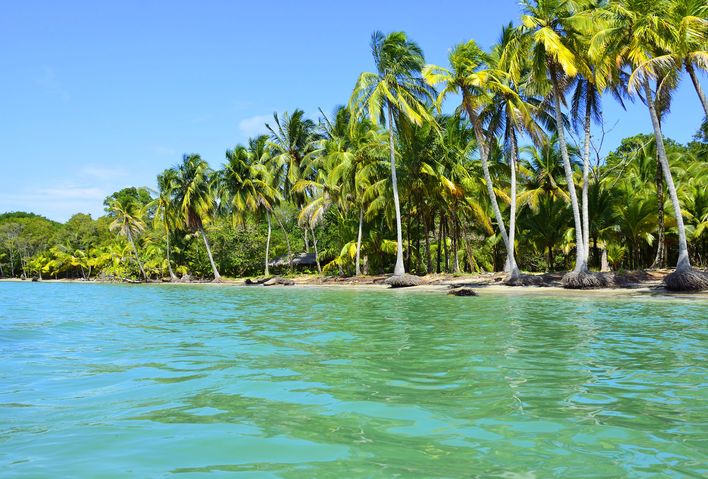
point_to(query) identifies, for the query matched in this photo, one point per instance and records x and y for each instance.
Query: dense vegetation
(512, 180)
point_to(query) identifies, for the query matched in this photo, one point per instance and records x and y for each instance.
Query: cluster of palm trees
(508, 169)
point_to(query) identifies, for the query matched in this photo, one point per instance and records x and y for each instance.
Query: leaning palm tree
(128, 221)
(469, 76)
(397, 88)
(511, 112)
(551, 30)
(194, 200)
(636, 32)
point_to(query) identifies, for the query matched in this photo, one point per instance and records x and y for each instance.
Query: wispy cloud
(161, 150)
(102, 173)
(254, 126)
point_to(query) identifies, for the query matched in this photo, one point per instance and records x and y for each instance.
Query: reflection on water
(116, 381)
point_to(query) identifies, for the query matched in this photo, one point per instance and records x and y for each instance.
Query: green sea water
(114, 381)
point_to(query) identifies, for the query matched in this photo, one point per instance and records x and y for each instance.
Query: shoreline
(643, 283)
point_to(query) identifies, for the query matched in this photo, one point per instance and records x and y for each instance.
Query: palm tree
(551, 33)
(194, 199)
(354, 151)
(164, 211)
(249, 184)
(638, 31)
(469, 76)
(292, 139)
(511, 112)
(397, 88)
(128, 221)
(685, 47)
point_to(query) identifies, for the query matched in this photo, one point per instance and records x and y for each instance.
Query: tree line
(512, 179)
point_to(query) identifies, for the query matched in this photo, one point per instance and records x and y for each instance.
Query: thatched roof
(299, 259)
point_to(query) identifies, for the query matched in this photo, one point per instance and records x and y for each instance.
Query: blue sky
(96, 96)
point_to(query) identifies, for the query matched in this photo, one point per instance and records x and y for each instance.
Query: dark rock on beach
(278, 281)
(403, 281)
(463, 291)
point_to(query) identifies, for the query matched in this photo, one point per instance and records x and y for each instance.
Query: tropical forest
(492, 162)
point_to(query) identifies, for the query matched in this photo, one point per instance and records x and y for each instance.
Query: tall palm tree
(636, 32)
(194, 199)
(164, 211)
(551, 30)
(292, 139)
(687, 45)
(469, 76)
(128, 221)
(398, 89)
(511, 112)
(249, 184)
(353, 150)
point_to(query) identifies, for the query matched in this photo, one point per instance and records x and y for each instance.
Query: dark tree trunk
(440, 235)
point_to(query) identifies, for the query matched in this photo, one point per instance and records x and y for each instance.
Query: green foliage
(453, 182)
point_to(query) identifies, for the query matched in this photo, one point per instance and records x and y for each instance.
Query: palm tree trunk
(512, 207)
(483, 152)
(307, 241)
(586, 173)
(399, 269)
(217, 276)
(447, 250)
(692, 73)
(660, 258)
(456, 234)
(287, 241)
(683, 263)
(357, 267)
(604, 264)
(408, 243)
(428, 256)
(580, 262)
(440, 235)
(267, 270)
(418, 258)
(135, 252)
(314, 244)
(173, 276)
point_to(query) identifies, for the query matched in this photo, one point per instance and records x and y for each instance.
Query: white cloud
(102, 173)
(254, 125)
(56, 202)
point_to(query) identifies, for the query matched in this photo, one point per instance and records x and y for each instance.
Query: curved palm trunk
(692, 73)
(314, 244)
(586, 173)
(512, 207)
(217, 276)
(135, 252)
(267, 271)
(513, 268)
(399, 269)
(580, 261)
(683, 263)
(357, 268)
